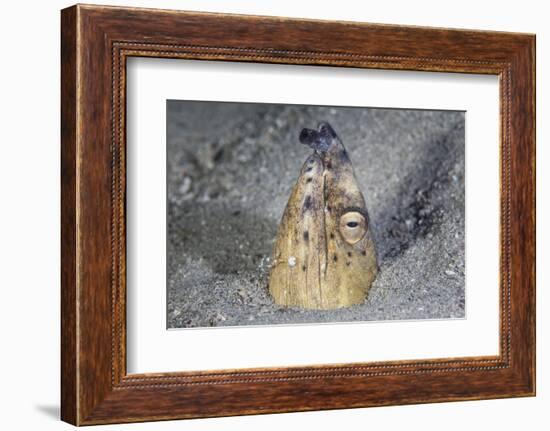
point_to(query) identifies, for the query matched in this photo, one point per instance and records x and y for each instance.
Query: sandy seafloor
(231, 168)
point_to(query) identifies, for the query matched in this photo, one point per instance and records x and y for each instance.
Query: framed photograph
(264, 214)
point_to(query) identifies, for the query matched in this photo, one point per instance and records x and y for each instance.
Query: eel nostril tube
(317, 140)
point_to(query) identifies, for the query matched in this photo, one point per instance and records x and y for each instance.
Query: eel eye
(353, 226)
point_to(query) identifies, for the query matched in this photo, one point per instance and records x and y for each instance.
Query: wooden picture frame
(95, 43)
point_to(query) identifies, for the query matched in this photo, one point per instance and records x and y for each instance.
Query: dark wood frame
(95, 43)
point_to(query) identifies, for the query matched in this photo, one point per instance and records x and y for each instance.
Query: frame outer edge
(532, 138)
(533, 54)
(523, 216)
(69, 201)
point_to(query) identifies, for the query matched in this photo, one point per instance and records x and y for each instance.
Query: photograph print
(300, 214)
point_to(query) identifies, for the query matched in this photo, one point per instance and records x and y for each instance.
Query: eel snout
(321, 139)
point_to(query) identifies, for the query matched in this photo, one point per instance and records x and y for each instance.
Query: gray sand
(230, 171)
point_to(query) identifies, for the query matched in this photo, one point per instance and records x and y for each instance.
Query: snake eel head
(324, 255)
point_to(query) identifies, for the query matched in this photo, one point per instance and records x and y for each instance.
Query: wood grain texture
(96, 41)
